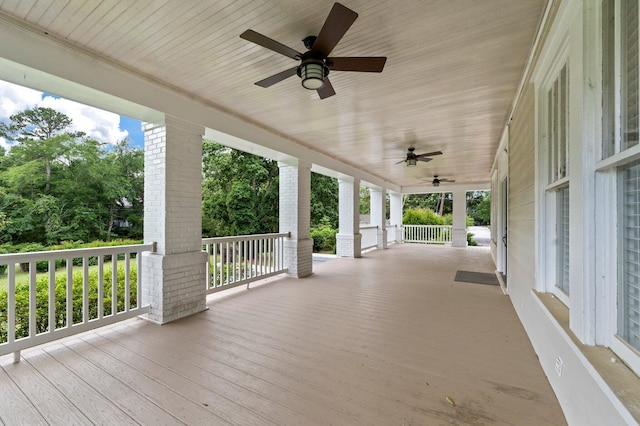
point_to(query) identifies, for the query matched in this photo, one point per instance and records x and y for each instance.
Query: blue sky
(101, 125)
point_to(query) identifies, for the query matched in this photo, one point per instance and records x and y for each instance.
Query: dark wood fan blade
(446, 180)
(338, 22)
(401, 161)
(326, 90)
(426, 160)
(359, 64)
(270, 44)
(429, 154)
(277, 78)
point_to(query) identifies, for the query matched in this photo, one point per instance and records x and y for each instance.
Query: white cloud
(98, 124)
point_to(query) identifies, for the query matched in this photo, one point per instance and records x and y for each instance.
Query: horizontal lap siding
(521, 218)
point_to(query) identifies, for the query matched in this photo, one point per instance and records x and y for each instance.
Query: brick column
(459, 236)
(295, 217)
(173, 280)
(349, 238)
(379, 215)
(395, 205)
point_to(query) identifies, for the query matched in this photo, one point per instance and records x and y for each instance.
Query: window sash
(562, 239)
(629, 256)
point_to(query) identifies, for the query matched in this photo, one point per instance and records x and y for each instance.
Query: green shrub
(324, 237)
(470, 240)
(448, 219)
(421, 216)
(42, 300)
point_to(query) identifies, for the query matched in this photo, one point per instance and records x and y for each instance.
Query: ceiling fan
(436, 181)
(315, 63)
(413, 158)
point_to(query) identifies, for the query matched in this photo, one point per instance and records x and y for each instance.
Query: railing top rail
(213, 240)
(368, 226)
(72, 253)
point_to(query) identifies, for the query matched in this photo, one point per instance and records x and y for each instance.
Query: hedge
(42, 301)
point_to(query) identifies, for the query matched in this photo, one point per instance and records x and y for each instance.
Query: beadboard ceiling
(453, 70)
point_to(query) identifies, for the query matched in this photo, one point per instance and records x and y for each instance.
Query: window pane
(562, 233)
(629, 281)
(629, 39)
(563, 122)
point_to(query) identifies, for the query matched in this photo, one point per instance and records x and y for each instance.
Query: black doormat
(477, 278)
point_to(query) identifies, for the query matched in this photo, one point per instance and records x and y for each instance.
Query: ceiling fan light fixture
(436, 183)
(412, 162)
(312, 73)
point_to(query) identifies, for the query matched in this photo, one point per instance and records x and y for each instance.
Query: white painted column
(459, 237)
(349, 238)
(295, 217)
(395, 204)
(173, 280)
(379, 215)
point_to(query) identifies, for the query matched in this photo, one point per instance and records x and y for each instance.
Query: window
(621, 154)
(562, 238)
(556, 133)
(620, 58)
(629, 265)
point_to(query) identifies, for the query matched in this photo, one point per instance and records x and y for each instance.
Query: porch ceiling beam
(40, 61)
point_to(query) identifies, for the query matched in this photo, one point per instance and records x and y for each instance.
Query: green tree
(324, 200)
(239, 192)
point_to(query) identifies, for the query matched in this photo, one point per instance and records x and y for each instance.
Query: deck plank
(382, 340)
(46, 397)
(15, 406)
(98, 409)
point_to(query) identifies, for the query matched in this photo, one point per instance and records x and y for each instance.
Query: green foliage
(324, 237)
(324, 200)
(58, 185)
(470, 240)
(239, 192)
(60, 318)
(479, 206)
(365, 200)
(421, 216)
(483, 210)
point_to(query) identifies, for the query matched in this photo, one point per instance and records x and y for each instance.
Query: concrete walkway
(481, 234)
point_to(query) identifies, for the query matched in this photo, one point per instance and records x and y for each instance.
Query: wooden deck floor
(389, 339)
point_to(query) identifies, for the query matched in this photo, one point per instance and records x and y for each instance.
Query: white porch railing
(369, 237)
(239, 260)
(61, 302)
(427, 234)
(392, 234)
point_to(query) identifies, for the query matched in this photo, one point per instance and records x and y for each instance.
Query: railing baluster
(52, 295)
(32, 299)
(101, 286)
(11, 303)
(69, 269)
(127, 282)
(114, 284)
(85, 289)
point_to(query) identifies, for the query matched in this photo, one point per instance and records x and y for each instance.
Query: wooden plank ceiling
(452, 72)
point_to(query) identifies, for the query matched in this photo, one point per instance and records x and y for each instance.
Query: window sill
(622, 381)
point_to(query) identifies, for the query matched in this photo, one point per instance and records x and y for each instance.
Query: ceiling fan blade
(426, 160)
(338, 22)
(326, 90)
(270, 44)
(401, 161)
(446, 180)
(277, 78)
(429, 154)
(359, 64)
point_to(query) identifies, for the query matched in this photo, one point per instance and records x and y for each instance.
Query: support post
(173, 278)
(349, 238)
(459, 237)
(395, 205)
(379, 215)
(295, 217)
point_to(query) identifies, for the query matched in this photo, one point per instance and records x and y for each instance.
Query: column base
(382, 238)
(349, 245)
(298, 256)
(174, 286)
(459, 238)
